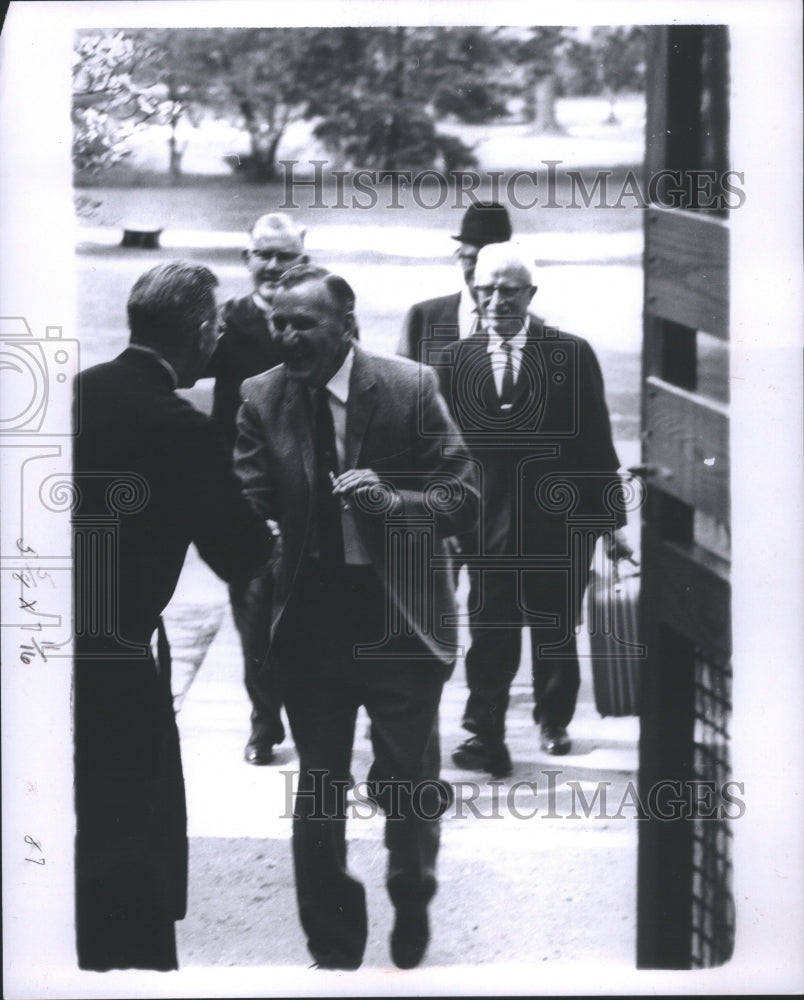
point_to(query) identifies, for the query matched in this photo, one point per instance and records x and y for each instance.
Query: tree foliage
(375, 95)
(620, 54)
(112, 76)
(258, 77)
(181, 87)
(539, 57)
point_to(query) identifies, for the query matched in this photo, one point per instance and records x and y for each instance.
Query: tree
(374, 94)
(111, 100)
(181, 81)
(620, 55)
(538, 53)
(260, 74)
(378, 92)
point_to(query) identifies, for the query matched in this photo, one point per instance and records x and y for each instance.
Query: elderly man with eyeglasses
(531, 406)
(246, 348)
(453, 317)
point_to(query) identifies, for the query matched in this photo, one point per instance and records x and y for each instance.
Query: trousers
(251, 610)
(324, 681)
(501, 603)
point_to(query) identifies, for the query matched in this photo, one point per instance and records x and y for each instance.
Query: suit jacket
(429, 320)
(151, 475)
(397, 424)
(550, 459)
(434, 320)
(245, 348)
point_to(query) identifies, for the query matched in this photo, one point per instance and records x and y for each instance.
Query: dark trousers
(251, 610)
(501, 602)
(131, 842)
(324, 683)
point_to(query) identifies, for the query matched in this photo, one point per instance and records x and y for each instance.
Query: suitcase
(612, 600)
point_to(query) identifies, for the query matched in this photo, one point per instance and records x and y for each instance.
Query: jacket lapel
(530, 392)
(362, 400)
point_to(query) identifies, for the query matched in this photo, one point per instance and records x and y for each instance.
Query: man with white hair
(531, 406)
(246, 348)
(448, 318)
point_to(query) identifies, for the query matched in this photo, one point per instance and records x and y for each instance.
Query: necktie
(507, 390)
(328, 508)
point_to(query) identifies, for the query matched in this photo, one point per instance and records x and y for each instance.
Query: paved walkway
(537, 889)
(526, 878)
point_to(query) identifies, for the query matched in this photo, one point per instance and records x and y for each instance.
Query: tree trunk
(391, 152)
(176, 153)
(269, 155)
(544, 93)
(611, 118)
(257, 167)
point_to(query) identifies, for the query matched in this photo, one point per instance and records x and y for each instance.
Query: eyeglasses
(282, 256)
(504, 291)
(280, 322)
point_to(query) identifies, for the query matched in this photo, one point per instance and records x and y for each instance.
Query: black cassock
(152, 475)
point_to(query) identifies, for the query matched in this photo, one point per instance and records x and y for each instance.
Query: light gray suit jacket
(397, 424)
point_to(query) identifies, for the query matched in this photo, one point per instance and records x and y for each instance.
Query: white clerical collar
(174, 378)
(338, 385)
(517, 342)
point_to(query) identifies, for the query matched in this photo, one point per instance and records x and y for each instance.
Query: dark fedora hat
(484, 223)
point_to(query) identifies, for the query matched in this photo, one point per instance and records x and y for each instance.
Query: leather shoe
(258, 752)
(555, 741)
(477, 754)
(348, 965)
(410, 936)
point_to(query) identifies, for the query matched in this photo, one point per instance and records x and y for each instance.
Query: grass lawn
(231, 204)
(210, 197)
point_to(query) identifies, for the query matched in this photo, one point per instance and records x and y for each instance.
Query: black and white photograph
(402, 479)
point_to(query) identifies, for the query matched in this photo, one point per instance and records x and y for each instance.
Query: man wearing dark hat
(454, 317)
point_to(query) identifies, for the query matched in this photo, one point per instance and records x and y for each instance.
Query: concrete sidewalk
(526, 876)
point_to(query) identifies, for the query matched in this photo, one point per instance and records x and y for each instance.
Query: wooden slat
(686, 270)
(694, 596)
(688, 437)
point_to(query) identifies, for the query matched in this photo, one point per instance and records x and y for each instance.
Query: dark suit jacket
(434, 322)
(433, 319)
(398, 425)
(245, 348)
(175, 485)
(547, 461)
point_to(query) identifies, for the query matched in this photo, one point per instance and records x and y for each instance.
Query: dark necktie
(328, 507)
(507, 390)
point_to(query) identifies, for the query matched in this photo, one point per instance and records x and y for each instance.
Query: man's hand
(618, 548)
(347, 482)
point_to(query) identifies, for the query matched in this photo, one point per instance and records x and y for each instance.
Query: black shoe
(258, 752)
(554, 740)
(410, 936)
(334, 963)
(477, 754)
